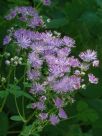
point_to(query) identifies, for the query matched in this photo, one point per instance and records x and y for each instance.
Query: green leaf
(85, 113)
(17, 92)
(19, 2)
(29, 106)
(4, 94)
(57, 23)
(27, 95)
(30, 131)
(16, 118)
(82, 106)
(3, 124)
(99, 3)
(26, 84)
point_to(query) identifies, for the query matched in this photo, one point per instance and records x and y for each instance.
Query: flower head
(58, 102)
(43, 116)
(88, 55)
(6, 40)
(62, 114)
(37, 89)
(40, 106)
(54, 119)
(69, 42)
(92, 79)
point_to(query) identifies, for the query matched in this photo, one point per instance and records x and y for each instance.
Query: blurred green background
(82, 20)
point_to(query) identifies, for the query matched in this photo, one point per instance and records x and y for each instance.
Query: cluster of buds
(3, 79)
(14, 61)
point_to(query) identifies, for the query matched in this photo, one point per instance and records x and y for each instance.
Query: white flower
(48, 20)
(3, 79)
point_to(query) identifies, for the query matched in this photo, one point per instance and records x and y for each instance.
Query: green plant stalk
(4, 101)
(19, 112)
(23, 96)
(39, 5)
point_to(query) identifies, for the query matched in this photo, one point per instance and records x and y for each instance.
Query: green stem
(19, 111)
(13, 132)
(4, 101)
(37, 7)
(30, 117)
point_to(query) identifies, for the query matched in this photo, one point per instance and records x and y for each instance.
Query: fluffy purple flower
(6, 40)
(40, 106)
(35, 21)
(92, 79)
(34, 105)
(73, 62)
(23, 38)
(67, 84)
(69, 42)
(33, 74)
(62, 114)
(64, 52)
(27, 14)
(58, 102)
(54, 119)
(37, 89)
(57, 66)
(12, 15)
(88, 55)
(34, 60)
(43, 116)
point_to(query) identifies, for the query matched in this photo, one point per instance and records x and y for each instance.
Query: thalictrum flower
(54, 119)
(92, 79)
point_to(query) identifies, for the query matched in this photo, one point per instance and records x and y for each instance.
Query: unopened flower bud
(16, 58)
(77, 72)
(83, 86)
(44, 26)
(7, 54)
(82, 73)
(20, 58)
(48, 20)
(16, 63)
(7, 62)
(3, 79)
(95, 63)
(57, 33)
(12, 59)
(19, 62)
(42, 98)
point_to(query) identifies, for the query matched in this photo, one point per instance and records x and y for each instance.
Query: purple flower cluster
(26, 14)
(50, 53)
(64, 70)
